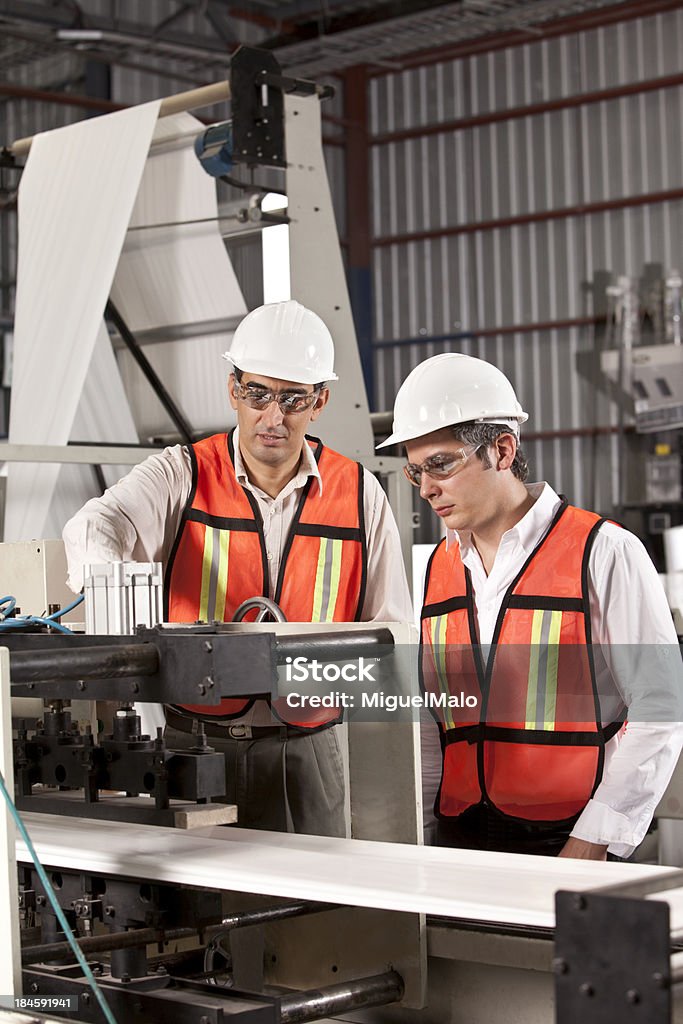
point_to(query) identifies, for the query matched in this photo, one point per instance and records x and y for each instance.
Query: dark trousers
(480, 828)
(283, 783)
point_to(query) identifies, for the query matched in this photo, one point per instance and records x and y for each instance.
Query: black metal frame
(612, 954)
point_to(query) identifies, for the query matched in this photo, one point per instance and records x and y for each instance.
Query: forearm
(633, 783)
(137, 519)
(96, 535)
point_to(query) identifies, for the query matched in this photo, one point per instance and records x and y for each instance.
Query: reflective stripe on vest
(541, 694)
(533, 746)
(219, 556)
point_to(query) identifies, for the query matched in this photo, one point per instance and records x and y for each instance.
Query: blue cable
(20, 621)
(69, 608)
(99, 995)
(8, 625)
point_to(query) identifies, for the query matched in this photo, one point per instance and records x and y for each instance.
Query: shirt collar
(308, 466)
(530, 528)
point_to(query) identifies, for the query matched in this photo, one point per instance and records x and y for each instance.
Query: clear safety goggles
(441, 466)
(257, 397)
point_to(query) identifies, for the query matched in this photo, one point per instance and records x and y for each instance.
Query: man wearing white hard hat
(543, 627)
(267, 511)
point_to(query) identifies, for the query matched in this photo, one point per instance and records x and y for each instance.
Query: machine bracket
(611, 959)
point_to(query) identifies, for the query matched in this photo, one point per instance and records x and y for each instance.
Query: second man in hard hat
(543, 626)
(264, 510)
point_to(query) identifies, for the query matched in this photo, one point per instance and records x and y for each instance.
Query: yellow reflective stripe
(207, 559)
(437, 631)
(552, 671)
(335, 579)
(319, 581)
(532, 684)
(222, 581)
(544, 656)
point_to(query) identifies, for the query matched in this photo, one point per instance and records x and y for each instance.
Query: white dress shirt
(138, 518)
(627, 607)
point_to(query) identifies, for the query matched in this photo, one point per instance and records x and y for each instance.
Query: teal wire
(8, 624)
(99, 995)
(69, 608)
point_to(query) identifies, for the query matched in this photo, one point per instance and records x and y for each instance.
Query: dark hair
(487, 434)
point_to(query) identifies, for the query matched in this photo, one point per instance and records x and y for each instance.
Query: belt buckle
(239, 731)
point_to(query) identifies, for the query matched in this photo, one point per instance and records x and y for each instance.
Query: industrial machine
(65, 774)
(76, 779)
(635, 370)
(179, 918)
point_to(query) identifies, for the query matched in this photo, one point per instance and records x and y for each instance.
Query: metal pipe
(493, 332)
(193, 99)
(181, 332)
(267, 915)
(354, 644)
(78, 454)
(530, 110)
(68, 99)
(540, 216)
(315, 1004)
(143, 936)
(103, 943)
(150, 373)
(84, 663)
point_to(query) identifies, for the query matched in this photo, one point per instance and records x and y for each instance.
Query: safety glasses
(257, 397)
(441, 466)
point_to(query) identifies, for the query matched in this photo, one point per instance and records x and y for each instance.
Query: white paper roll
(674, 590)
(75, 201)
(673, 549)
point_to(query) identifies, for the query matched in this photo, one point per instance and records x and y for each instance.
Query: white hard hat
(452, 388)
(284, 340)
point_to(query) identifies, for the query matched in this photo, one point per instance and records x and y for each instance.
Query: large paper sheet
(103, 415)
(174, 271)
(471, 884)
(145, 228)
(75, 201)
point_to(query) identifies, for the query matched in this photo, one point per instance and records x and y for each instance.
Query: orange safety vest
(219, 556)
(522, 730)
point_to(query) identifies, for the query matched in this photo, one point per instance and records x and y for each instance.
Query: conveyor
(492, 917)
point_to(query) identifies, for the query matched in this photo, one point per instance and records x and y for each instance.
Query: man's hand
(583, 850)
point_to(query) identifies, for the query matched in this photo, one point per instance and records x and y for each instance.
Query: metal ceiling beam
(345, 21)
(221, 22)
(415, 32)
(579, 22)
(55, 19)
(45, 44)
(65, 99)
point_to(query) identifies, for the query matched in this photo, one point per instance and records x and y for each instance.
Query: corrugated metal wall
(535, 272)
(20, 118)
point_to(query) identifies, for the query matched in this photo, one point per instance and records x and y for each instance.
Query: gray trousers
(292, 784)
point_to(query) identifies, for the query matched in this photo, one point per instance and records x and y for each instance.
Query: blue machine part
(214, 149)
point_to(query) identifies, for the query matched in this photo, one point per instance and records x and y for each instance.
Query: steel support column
(359, 252)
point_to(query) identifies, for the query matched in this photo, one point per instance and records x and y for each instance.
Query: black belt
(481, 828)
(233, 730)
